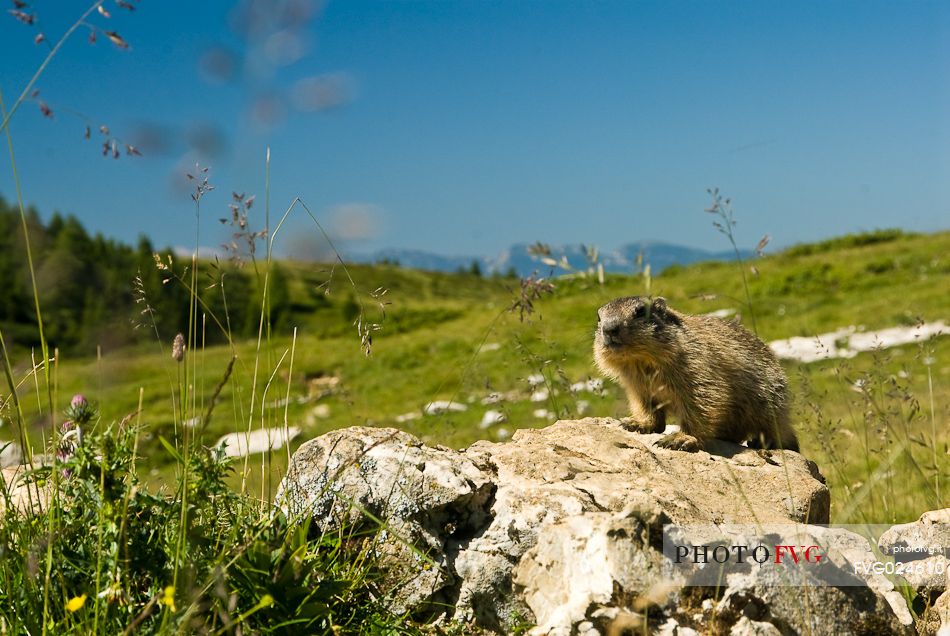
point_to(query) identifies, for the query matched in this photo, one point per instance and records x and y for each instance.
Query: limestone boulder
(922, 548)
(18, 492)
(562, 528)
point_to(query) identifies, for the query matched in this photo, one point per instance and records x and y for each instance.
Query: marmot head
(633, 327)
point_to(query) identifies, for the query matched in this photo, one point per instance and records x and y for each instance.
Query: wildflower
(113, 592)
(178, 348)
(168, 598)
(69, 440)
(75, 603)
(69, 430)
(80, 410)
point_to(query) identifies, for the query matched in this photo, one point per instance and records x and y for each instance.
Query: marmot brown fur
(716, 378)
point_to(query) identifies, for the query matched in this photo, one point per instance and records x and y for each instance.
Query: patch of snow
(259, 441)
(848, 341)
(540, 395)
(721, 313)
(443, 406)
(594, 385)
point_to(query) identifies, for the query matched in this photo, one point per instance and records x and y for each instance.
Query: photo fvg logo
(741, 554)
(795, 555)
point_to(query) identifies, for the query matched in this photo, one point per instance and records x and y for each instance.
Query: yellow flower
(168, 600)
(75, 603)
(266, 601)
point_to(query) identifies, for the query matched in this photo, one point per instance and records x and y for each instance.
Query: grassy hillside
(866, 421)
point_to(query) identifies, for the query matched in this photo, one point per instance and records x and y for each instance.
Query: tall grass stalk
(17, 407)
(290, 376)
(44, 347)
(933, 428)
(723, 209)
(42, 67)
(267, 386)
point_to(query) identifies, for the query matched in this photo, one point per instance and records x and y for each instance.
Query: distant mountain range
(519, 257)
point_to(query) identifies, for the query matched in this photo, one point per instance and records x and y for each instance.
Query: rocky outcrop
(562, 528)
(17, 492)
(923, 549)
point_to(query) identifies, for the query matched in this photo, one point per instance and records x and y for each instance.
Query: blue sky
(463, 127)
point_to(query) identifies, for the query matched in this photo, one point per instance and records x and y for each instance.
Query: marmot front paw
(636, 426)
(680, 441)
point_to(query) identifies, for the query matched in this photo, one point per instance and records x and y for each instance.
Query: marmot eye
(640, 311)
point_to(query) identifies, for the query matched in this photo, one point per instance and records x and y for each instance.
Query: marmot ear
(662, 311)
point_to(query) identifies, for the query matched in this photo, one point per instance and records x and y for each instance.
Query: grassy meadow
(866, 421)
(148, 530)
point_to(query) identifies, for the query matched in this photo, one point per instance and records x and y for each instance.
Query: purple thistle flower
(79, 409)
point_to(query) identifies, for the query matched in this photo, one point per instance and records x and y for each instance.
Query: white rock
(279, 404)
(492, 417)
(490, 346)
(543, 414)
(493, 398)
(926, 544)
(540, 395)
(322, 383)
(443, 406)
(10, 454)
(550, 506)
(748, 627)
(408, 417)
(594, 385)
(535, 379)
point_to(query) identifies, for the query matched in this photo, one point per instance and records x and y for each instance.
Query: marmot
(716, 378)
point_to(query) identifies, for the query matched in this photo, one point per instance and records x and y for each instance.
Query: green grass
(118, 565)
(427, 347)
